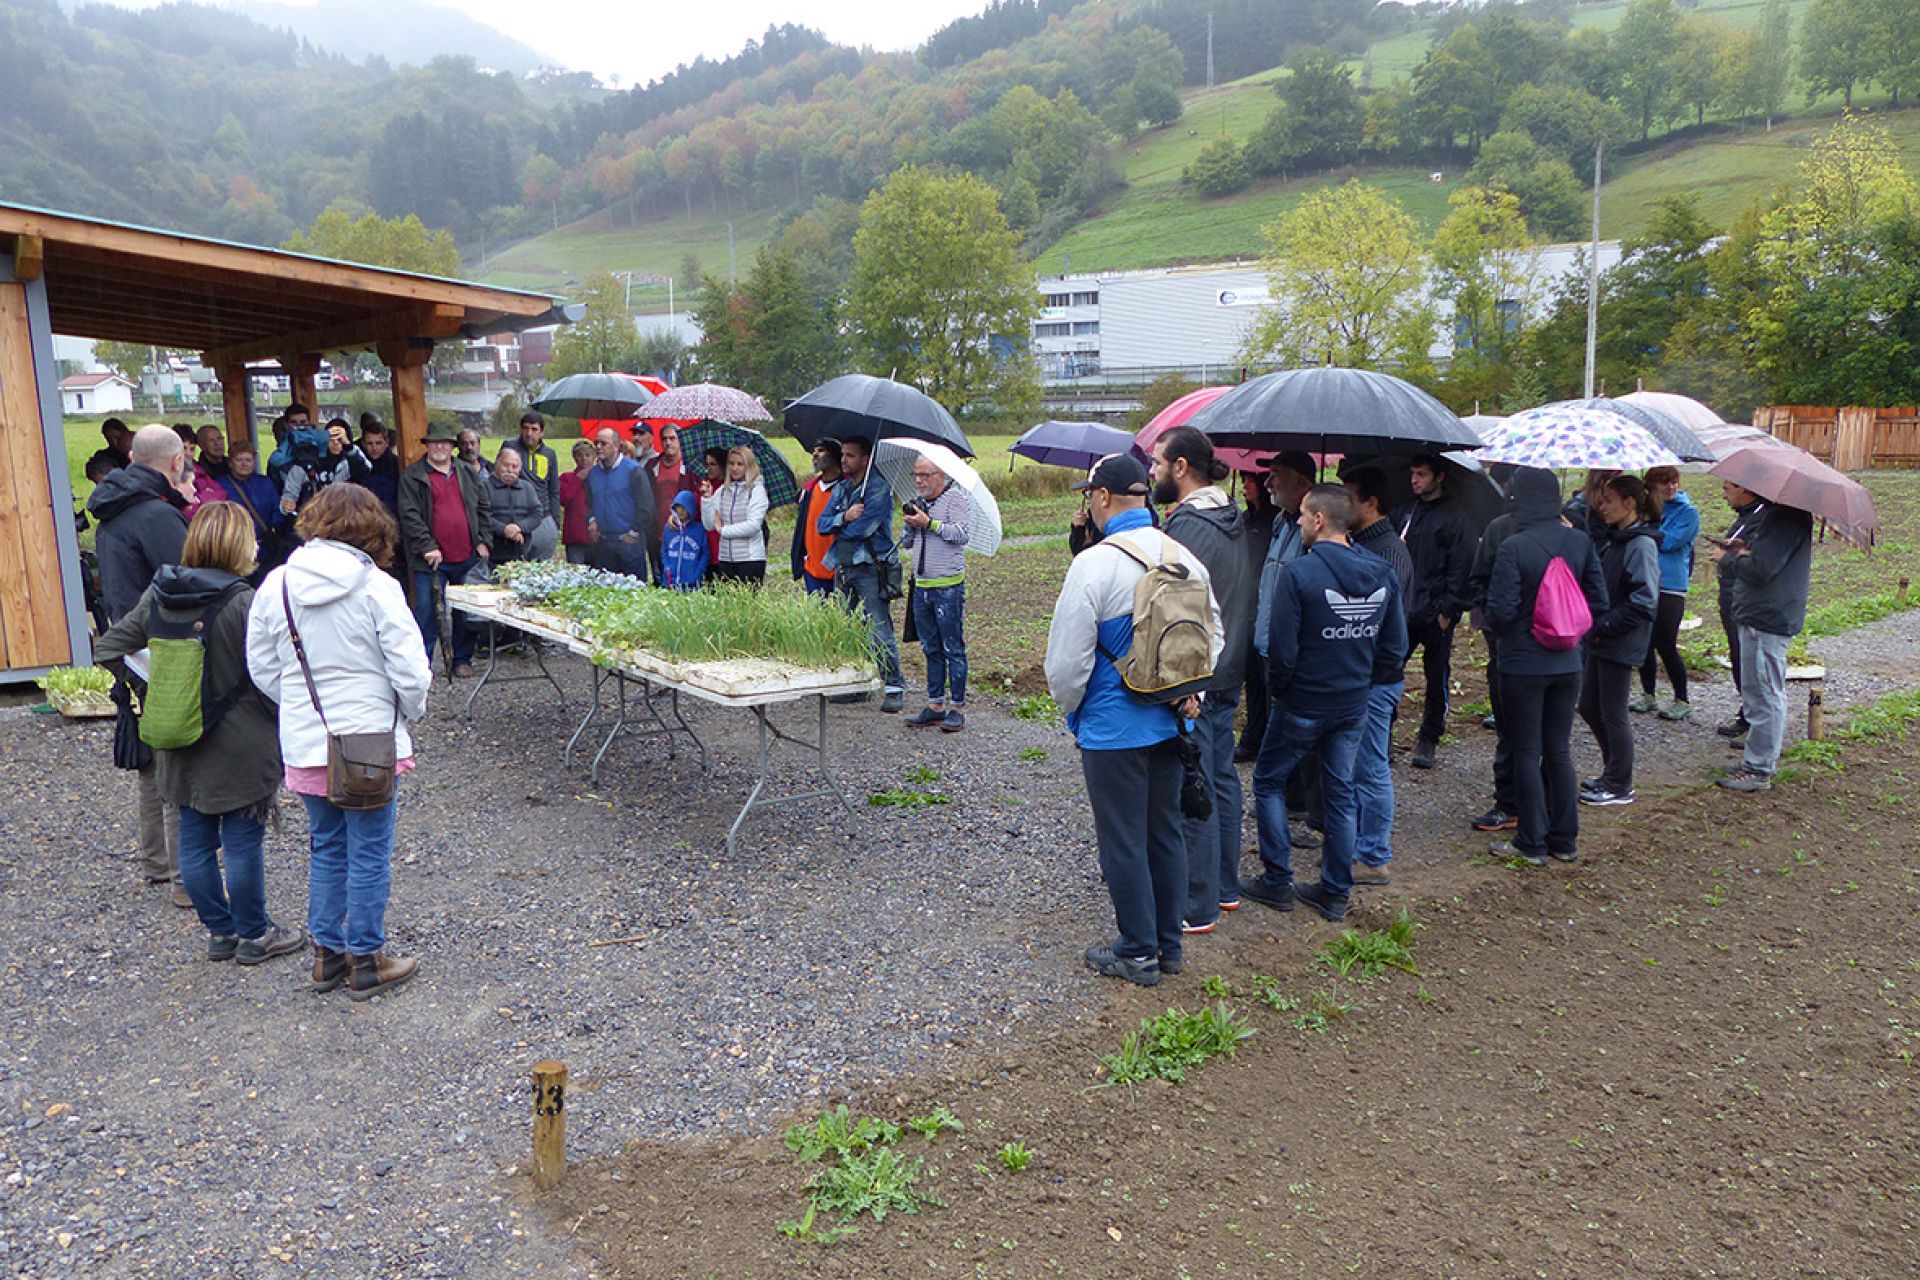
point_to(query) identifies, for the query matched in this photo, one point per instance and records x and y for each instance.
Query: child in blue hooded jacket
(683, 546)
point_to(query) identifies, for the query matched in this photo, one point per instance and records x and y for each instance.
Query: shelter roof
(240, 303)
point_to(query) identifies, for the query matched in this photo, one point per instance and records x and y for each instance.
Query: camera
(914, 504)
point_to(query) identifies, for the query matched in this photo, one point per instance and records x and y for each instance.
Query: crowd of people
(1317, 595)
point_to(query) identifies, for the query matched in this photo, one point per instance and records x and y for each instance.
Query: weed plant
(1373, 952)
(1015, 1156)
(1171, 1044)
(878, 1181)
(907, 798)
(1888, 718)
(935, 1123)
(838, 1132)
(1038, 707)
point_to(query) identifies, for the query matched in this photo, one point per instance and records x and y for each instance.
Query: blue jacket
(1283, 547)
(1338, 629)
(868, 540)
(261, 499)
(1679, 529)
(683, 552)
(620, 499)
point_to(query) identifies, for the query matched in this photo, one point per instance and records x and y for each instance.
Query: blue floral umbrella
(1567, 438)
(775, 473)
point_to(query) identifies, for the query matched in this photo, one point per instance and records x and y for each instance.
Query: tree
(1157, 395)
(1453, 91)
(661, 351)
(128, 359)
(1770, 64)
(796, 342)
(1646, 42)
(1483, 266)
(1696, 59)
(1565, 120)
(1328, 122)
(1836, 47)
(940, 294)
(604, 341)
(1894, 45)
(1345, 267)
(1219, 169)
(405, 244)
(541, 182)
(1550, 195)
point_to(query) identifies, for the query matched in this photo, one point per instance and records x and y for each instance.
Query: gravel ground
(164, 1116)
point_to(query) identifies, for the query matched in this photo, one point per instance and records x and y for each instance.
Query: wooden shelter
(234, 303)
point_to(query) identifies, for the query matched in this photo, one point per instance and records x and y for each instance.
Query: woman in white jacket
(737, 511)
(371, 672)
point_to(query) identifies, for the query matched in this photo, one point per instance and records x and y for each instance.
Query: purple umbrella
(1071, 444)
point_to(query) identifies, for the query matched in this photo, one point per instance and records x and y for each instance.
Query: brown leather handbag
(360, 766)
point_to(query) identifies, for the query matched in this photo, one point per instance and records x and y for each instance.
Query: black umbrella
(594, 395)
(1329, 410)
(856, 406)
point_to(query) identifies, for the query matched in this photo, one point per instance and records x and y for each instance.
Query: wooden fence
(1853, 438)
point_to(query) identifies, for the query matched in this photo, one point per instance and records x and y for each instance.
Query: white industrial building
(1128, 327)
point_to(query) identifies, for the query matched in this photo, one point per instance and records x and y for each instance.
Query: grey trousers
(1763, 697)
(159, 831)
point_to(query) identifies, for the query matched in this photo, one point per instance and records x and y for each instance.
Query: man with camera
(863, 557)
(936, 539)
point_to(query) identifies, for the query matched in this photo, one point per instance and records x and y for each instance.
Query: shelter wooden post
(33, 623)
(549, 1124)
(236, 394)
(407, 364)
(303, 373)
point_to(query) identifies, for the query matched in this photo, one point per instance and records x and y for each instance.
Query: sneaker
(1330, 905)
(1674, 709)
(1278, 896)
(1496, 819)
(1302, 836)
(1563, 855)
(1367, 873)
(221, 946)
(1642, 704)
(1142, 973)
(1747, 780)
(276, 941)
(1737, 744)
(1601, 796)
(956, 721)
(1208, 927)
(1171, 964)
(1423, 752)
(1505, 849)
(893, 701)
(926, 716)
(1589, 784)
(1734, 728)
(1230, 904)
(1489, 721)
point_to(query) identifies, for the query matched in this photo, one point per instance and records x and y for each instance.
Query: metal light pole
(1593, 272)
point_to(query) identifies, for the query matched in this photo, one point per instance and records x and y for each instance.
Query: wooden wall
(1852, 437)
(33, 622)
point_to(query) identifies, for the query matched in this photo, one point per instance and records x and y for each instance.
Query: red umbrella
(1177, 413)
(1795, 478)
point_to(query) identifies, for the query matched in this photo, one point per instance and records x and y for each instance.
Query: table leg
(770, 735)
(619, 723)
(493, 658)
(599, 674)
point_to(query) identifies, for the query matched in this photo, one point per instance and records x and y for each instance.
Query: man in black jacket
(1769, 564)
(1204, 520)
(1372, 775)
(1441, 542)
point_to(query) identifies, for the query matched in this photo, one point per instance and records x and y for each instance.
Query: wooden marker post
(1900, 596)
(549, 1124)
(1816, 713)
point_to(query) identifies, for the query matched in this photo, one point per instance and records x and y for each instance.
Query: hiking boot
(1603, 796)
(1734, 728)
(1674, 709)
(1208, 927)
(1367, 873)
(463, 671)
(956, 721)
(1496, 819)
(1589, 784)
(1505, 849)
(1423, 753)
(926, 716)
(893, 701)
(330, 968)
(378, 972)
(1171, 964)
(1330, 905)
(275, 942)
(221, 946)
(1302, 836)
(1143, 972)
(1642, 704)
(1278, 896)
(1563, 855)
(1747, 780)
(180, 899)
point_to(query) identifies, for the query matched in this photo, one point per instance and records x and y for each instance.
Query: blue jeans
(239, 905)
(1213, 846)
(816, 586)
(349, 876)
(460, 628)
(940, 615)
(616, 555)
(1373, 780)
(1288, 739)
(860, 583)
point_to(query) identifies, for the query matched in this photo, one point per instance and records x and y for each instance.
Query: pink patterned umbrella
(707, 402)
(1177, 413)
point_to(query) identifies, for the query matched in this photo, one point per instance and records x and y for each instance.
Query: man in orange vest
(809, 544)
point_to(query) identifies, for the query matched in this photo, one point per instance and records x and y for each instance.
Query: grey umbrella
(594, 395)
(1328, 410)
(858, 406)
(1662, 426)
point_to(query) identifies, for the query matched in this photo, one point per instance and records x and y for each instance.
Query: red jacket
(573, 508)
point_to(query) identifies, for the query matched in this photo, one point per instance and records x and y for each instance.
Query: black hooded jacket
(142, 527)
(1534, 538)
(1630, 565)
(1441, 541)
(1217, 536)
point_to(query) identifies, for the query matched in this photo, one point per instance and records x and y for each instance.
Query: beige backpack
(1172, 651)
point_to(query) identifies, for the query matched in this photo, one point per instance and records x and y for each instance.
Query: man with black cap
(1441, 541)
(444, 524)
(1128, 752)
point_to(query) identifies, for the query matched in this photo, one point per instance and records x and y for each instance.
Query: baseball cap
(1117, 473)
(1295, 460)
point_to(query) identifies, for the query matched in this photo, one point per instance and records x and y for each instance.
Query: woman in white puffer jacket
(371, 673)
(737, 511)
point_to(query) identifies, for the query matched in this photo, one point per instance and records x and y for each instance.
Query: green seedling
(1015, 1156)
(1168, 1046)
(1272, 996)
(1039, 707)
(877, 1182)
(1031, 755)
(1373, 952)
(804, 1231)
(935, 1122)
(77, 681)
(907, 798)
(1320, 1015)
(1217, 988)
(923, 773)
(838, 1132)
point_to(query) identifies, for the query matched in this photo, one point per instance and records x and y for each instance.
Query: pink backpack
(1561, 618)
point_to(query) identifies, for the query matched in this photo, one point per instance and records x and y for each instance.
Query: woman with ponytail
(1630, 564)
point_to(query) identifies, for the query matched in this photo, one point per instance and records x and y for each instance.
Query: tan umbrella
(1795, 478)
